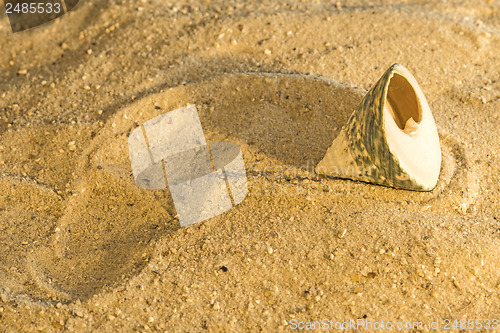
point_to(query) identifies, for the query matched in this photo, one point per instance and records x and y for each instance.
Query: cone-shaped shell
(391, 138)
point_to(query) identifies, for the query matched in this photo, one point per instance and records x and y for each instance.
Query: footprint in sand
(28, 216)
(105, 231)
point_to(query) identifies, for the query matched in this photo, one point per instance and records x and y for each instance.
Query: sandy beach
(83, 248)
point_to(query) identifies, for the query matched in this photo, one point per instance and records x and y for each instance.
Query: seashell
(391, 138)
